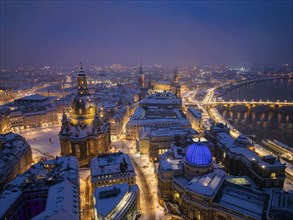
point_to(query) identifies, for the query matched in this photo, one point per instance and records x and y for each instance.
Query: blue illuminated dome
(198, 154)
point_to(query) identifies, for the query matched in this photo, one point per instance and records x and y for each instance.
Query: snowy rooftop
(250, 202)
(196, 113)
(219, 127)
(7, 198)
(172, 159)
(35, 97)
(164, 82)
(110, 164)
(207, 184)
(116, 201)
(62, 202)
(158, 116)
(172, 131)
(171, 164)
(79, 132)
(281, 204)
(161, 100)
(148, 132)
(59, 177)
(234, 147)
(12, 147)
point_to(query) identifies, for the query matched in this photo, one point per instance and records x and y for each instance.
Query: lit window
(273, 175)
(176, 195)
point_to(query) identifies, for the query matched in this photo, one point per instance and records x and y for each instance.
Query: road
(46, 155)
(146, 199)
(146, 181)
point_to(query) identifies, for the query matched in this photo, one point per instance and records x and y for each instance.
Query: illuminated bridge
(248, 104)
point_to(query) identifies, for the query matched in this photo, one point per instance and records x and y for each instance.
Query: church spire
(141, 77)
(80, 67)
(82, 82)
(140, 69)
(176, 76)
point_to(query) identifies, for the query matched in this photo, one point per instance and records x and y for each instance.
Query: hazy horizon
(168, 33)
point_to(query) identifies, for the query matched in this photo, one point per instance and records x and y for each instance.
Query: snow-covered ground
(288, 185)
(147, 168)
(43, 141)
(84, 173)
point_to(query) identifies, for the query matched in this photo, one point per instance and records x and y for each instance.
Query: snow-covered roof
(250, 202)
(62, 202)
(207, 184)
(163, 98)
(153, 116)
(117, 200)
(110, 164)
(12, 149)
(171, 165)
(58, 177)
(7, 198)
(196, 113)
(234, 147)
(35, 97)
(171, 131)
(281, 204)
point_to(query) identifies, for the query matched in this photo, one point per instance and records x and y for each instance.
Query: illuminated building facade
(239, 158)
(195, 118)
(154, 117)
(4, 120)
(86, 132)
(190, 186)
(156, 141)
(31, 118)
(109, 169)
(163, 100)
(157, 110)
(174, 86)
(117, 119)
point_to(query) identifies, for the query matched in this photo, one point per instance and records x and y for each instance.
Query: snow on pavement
(45, 140)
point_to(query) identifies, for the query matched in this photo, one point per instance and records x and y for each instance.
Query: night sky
(63, 33)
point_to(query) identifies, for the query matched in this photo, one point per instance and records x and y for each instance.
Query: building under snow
(109, 169)
(191, 186)
(239, 158)
(15, 157)
(86, 132)
(156, 141)
(118, 201)
(48, 190)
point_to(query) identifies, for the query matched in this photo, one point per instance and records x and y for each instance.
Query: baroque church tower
(175, 86)
(84, 133)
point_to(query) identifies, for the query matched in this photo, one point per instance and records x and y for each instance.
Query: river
(263, 122)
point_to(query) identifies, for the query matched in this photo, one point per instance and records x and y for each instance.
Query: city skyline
(169, 33)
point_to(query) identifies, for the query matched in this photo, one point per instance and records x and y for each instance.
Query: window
(273, 175)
